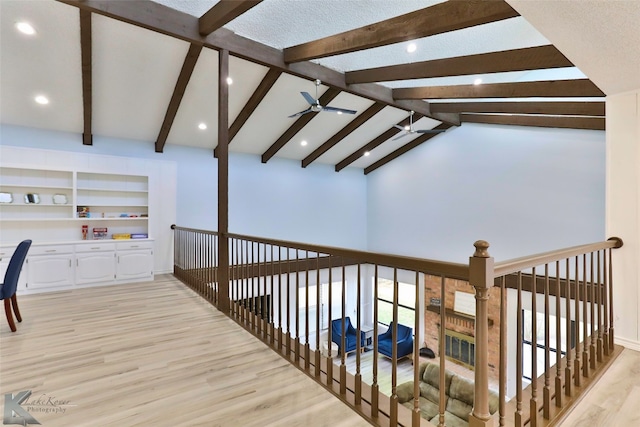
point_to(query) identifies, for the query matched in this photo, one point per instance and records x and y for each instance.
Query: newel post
(481, 278)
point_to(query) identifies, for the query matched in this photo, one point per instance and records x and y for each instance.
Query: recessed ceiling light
(202, 126)
(42, 100)
(339, 112)
(366, 153)
(477, 81)
(303, 143)
(411, 47)
(25, 28)
(229, 81)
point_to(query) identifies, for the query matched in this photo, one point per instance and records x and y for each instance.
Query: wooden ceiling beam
(350, 127)
(162, 19)
(570, 122)
(383, 137)
(325, 99)
(400, 151)
(437, 19)
(550, 89)
(178, 92)
(256, 98)
(550, 108)
(530, 58)
(223, 12)
(87, 71)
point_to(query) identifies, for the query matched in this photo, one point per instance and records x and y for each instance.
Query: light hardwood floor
(152, 354)
(156, 354)
(614, 401)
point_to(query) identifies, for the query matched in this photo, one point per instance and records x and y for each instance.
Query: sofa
(458, 391)
(404, 338)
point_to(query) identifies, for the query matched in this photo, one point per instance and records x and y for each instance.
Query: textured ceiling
(135, 70)
(601, 37)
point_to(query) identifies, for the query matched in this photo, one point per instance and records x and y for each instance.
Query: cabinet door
(136, 264)
(95, 267)
(22, 280)
(48, 271)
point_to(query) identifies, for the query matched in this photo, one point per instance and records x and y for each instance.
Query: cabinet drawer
(50, 250)
(96, 247)
(6, 253)
(134, 245)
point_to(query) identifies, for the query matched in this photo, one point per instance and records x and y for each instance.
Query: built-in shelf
(449, 313)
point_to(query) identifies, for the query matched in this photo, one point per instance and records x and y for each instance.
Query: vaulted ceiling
(148, 71)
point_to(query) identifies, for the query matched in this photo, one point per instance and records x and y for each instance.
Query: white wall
(524, 190)
(623, 211)
(278, 200)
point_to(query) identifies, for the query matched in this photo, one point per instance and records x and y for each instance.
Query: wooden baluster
(592, 317)
(518, 415)
(558, 379)
(605, 303)
(393, 400)
(330, 332)
(415, 414)
(343, 353)
(502, 380)
(318, 310)
(375, 389)
(598, 302)
(307, 362)
(358, 376)
(533, 402)
(578, 361)
(569, 332)
(585, 324)
(546, 392)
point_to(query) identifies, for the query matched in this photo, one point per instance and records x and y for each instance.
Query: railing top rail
(518, 264)
(448, 269)
(195, 230)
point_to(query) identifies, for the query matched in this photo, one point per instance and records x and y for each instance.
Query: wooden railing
(287, 294)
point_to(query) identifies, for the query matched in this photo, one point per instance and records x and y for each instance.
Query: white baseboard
(627, 343)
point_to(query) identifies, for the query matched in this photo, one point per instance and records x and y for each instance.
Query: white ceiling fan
(315, 106)
(408, 130)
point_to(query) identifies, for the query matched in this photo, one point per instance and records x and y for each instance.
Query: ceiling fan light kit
(315, 107)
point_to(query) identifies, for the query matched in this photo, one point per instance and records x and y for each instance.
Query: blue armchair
(405, 341)
(350, 337)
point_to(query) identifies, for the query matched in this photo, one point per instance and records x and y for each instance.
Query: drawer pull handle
(96, 248)
(50, 250)
(134, 246)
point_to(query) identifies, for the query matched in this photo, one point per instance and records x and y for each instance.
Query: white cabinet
(5, 257)
(50, 267)
(95, 263)
(134, 260)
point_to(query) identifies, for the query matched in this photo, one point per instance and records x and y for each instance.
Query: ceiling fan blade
(309, 98)
(308, 110)
(430, 130)
(338, 110)
(399, 127)
(402, 135)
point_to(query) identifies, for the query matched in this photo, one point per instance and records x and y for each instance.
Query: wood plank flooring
(152, 354)
(155, 354)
